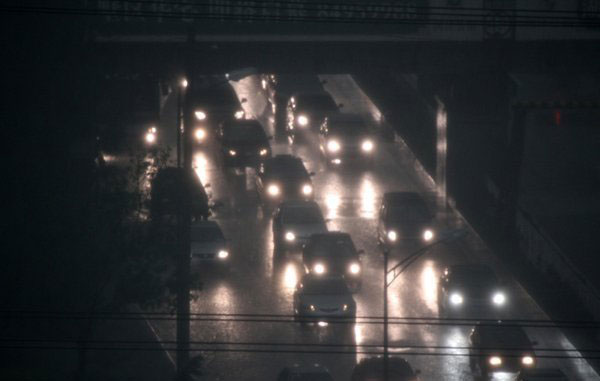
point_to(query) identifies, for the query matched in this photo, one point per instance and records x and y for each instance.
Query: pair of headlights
(201, 115)
(320, 268)
(498, 298)
(427, 235)
(334, 146)
(496, 361)
(151, 135)
(312, 307)
(274, 190)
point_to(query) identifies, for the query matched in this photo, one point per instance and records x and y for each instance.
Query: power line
(326, 19)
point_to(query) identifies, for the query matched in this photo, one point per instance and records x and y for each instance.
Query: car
(542, 374)
(166, 192)
(294, 222)
(244, 143)
(470, 288)
(283, 177)
(347, 138)
(214, 105)
(306, 111)
(333, 253)
(500, 348)
(314, 372)
(404, 217)
(208, 244)
(371, 369)
(279, 88)
(322, 298)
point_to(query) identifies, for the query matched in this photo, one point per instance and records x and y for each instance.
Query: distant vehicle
(498, 348)
(540, 374)
(243, 143)
(404, 216)
(306, 111)
(315, 372)
(208, 244)
(214, 105)
(319, 298)
(333, 253)
(284, 177)
(279, 88)
(470, 288)
(347, 138)
(371, 369)
(166, 192)
(294, 222)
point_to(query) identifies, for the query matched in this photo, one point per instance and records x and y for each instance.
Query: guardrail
(543, 253)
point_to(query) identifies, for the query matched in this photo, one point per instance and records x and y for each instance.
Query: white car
(294, 222)
(208, 244)
(318, 299)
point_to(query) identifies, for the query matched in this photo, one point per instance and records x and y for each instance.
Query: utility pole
(183, 255)
(386, 253)
(181, 85)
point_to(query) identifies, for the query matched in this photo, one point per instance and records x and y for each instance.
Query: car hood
(207, 246)
(327, 300)
(305, 230)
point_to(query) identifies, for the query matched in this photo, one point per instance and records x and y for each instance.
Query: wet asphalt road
(256, 283)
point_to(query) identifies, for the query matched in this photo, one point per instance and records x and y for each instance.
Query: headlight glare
(232, 152)
(428, 235)
(263, 152)
(307, 189)
(303, 120)
(150, 137)
(354, 268)
(367, 146)
(239, 114)
(345, 307)
(495, 361)
(319, 268)
(273, 190)
(456, 299)
(392, 236)
(311, 307)
(333, 146)
(200, 115)
(200, 134)
(290, 236)
(223, 254)
(527, 360)
(499, 298)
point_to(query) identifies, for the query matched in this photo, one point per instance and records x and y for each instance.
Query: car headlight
(232, 152)
(239, 114)
(367, 146)
(428, 235)
(222, 254)
(273, 190)
(495, 361)
(303, 120)
(289, 236)
(354, 268)
(319, 268)
(311, 307)
(263, 152)
(307, 189)
(345, 307)
(200, 134)
(200, 115)
(392, 235)
(499, 298)
(527, 360)
(150, 137)
(333, 146)
(456, 299)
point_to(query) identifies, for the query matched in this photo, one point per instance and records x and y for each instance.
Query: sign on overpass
(338, 20)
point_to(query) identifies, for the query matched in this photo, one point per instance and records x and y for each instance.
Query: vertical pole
(441, 154)
(184, 260)
(385, 314)
(178, 123)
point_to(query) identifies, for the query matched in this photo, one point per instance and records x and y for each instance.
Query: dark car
(371, 369)
(167, 191)
(322, 298)
(470, 288)
(314, 372)
(404, 216)
(208, 244)
(541, 374)
(347, 138)
(294, 222)
(333, 253)
(214, 105)
(244, 143)
(284, 177)
(496, 347)
(306, 111)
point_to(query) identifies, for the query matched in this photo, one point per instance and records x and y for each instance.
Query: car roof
(285, 162)
(331, 235)
(465, 270)
(500, 336)
(373, 366)
(401, 197)
(231, 123)
(314, 278)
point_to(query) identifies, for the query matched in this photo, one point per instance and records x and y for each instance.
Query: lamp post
(395, 272)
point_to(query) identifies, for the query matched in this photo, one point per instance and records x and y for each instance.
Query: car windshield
(332, 246)
(287, 168)
(244, 132)
(206, 234)
(501, 336)
(350, 128)
(408, 212)
(473, 276)
(302, 215)
(316, 102)
(325, 287)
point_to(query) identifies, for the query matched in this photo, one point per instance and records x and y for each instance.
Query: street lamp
(395, 272)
